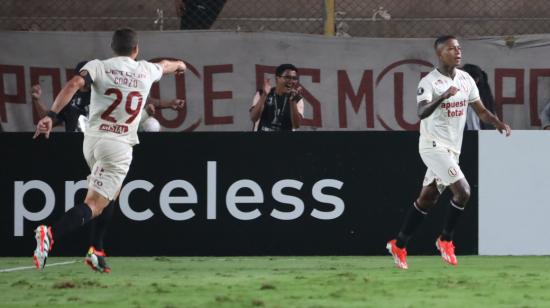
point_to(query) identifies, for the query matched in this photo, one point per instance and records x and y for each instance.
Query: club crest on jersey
(420, 91)
(453, 172)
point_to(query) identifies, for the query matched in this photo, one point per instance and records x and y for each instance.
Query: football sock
(453, 214)
(414, 217)
(78, 216)
(98, 226)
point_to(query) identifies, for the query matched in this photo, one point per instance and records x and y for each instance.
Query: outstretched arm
(175, 103)
(172, 66)
(488, 117)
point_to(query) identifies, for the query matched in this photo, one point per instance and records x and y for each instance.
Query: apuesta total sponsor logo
(242, 199)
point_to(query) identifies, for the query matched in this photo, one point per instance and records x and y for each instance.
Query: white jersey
(119, 91)
(446, 124)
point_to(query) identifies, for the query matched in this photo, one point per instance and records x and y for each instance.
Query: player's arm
(69, 90)
(488, 117)
(45, 124)
(425, 108)
(172, 66)
(162, 104)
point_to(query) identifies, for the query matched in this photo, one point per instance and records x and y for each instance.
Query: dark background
(382, 174)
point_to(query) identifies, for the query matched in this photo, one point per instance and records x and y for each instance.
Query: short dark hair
(442, 39)
(124, 41)
(283, 67)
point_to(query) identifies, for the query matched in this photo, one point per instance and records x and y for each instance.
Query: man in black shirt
(279, 108)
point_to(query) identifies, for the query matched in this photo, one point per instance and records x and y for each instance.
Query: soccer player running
(443, 97)
(119, 87)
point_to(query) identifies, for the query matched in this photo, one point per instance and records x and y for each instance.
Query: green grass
(281, 282)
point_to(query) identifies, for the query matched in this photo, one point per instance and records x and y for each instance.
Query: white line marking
(6, 270)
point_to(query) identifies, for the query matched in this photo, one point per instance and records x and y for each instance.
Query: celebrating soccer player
(443, 97)
(119, 87)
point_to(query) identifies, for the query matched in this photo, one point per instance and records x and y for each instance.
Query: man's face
(288, 80)
(450, 53)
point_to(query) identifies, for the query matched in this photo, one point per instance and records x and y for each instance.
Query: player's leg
(98, 226)
(417, 212)
(461, 195)
(96, 256)
(77, 216)
(415, 215)
(108, 173)
(445, 166)
(74, 218)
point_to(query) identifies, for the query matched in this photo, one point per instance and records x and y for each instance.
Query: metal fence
(383, 18)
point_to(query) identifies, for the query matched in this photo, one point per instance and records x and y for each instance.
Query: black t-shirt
(79, 105)
(276, 113)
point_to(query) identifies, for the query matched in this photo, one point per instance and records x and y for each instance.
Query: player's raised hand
(451, 91)
(504, 128)
(44, 126)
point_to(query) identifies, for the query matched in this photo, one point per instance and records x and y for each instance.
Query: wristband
(52, 115)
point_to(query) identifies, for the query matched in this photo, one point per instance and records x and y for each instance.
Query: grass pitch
(280, 282)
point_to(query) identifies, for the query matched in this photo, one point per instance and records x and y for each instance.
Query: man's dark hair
(124, 41)
(283, 67)
(442, 39)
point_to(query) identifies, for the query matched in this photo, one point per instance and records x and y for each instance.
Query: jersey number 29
(106, 115)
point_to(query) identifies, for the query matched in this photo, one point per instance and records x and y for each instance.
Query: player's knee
(463, 195)
(425, 203)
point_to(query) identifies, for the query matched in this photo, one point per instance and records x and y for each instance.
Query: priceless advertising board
(301, 193)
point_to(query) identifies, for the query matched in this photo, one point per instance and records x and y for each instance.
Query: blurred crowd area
(355, 18)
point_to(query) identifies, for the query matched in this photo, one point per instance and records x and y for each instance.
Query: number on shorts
(106, 115)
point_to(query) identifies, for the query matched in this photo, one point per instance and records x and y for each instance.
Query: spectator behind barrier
(486, 95)
(279, 108)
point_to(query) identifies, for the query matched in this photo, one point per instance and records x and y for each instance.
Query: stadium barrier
(221, 194)
(513, 195)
